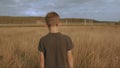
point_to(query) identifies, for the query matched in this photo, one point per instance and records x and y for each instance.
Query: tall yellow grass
(94, 46)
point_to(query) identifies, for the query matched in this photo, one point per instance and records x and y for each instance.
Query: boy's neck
(53, 29)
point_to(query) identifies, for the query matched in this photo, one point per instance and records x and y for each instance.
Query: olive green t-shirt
(54, 47)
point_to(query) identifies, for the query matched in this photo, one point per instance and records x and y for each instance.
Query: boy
(55, 48)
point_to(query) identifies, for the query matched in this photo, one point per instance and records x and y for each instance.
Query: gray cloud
(93, 9)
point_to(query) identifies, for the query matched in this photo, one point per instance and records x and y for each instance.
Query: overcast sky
(108, 10)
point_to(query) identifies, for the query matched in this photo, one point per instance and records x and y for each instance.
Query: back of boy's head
(52, 19)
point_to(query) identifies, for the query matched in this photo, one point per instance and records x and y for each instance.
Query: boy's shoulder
(66, 36)
(61, 35)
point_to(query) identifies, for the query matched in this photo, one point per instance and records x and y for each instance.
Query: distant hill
(20, 20)
(40, 20)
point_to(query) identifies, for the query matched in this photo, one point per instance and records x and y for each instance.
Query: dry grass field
(94, 46)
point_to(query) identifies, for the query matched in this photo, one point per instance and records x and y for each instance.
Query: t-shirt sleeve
(69, 44)
(41, 46)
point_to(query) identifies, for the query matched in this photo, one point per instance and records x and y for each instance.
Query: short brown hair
(52, 19)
